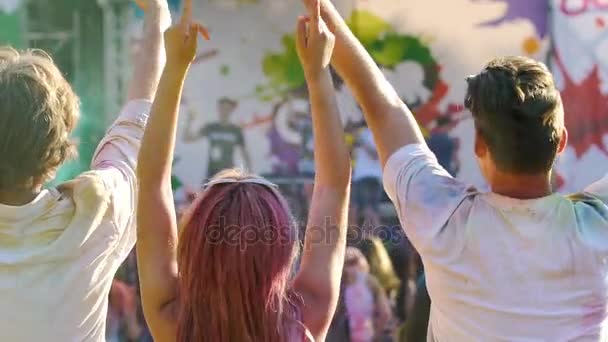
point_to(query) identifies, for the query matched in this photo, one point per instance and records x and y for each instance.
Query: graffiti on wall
(425, 53)
(580, 64)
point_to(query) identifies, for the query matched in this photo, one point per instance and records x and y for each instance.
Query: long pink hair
(236, 251)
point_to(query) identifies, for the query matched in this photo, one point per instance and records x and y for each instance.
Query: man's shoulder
(91, 188)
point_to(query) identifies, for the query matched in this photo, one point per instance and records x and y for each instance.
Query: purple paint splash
(536, 11)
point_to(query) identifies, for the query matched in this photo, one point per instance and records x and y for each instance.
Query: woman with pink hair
(231, 275)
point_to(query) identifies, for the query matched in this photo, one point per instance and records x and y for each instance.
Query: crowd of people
(518, 263)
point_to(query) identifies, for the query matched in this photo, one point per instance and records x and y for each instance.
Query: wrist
(330, 15)
(318, 78)
(176, 70)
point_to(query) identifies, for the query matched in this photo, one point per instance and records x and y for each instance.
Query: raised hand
(181, 39)
(315, 42)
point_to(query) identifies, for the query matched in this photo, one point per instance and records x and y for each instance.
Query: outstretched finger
(314, 12)
(202, 30)
(187, 14)
(302, 31)
(317, 14)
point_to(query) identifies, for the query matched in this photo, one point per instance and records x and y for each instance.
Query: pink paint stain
(594, 313)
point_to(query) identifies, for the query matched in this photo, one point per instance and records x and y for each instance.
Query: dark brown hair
(38, 111)
(518, 112)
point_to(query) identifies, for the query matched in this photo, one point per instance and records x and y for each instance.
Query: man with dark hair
(223, 137)
(517, 263)
(519, 119)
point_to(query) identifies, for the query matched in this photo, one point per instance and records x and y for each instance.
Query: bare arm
(246, 157)
(391, 122)
(318, 280)
(191, 135)
(115, 159)
(156, 219)
(151, 55)
(157, 228)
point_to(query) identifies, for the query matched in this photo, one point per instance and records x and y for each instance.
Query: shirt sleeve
(423, 192)
(115, 161)
(599, 189)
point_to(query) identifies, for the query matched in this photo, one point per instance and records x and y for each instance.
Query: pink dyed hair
(237, 247)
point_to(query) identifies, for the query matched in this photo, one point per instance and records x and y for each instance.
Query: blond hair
(38, 111)
(380, 264)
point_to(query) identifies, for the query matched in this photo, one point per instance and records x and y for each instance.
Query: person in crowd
(224, 137)
(445, 149)
(368, 310)
(367, 180)
(60, 246)
(339, 330)
(416, 327)
(519, 262)
(232, 274)
(380, 265)
(123, 323)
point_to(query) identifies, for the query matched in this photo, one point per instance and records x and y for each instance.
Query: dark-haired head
(518, 115)
(226, 107)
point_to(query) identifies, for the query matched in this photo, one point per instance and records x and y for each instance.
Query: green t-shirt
(222, 141)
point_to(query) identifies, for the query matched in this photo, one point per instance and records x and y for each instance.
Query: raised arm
(115, 160)
(120, 146)
(151, 56)
(389, 119)
(157, 229)
(246, 157)
(318, 281)
(191, 134)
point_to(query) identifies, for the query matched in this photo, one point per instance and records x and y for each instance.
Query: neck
(522, 186)
(19, 197)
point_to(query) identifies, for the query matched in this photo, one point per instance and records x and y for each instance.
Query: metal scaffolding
(57, 26)
(57, 35)
(117, 15)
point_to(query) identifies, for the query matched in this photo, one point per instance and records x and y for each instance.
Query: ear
(563, 141)
(481, 148)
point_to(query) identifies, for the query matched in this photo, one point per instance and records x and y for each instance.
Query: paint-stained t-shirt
(59, 253)
(223, 139)
(503, 269)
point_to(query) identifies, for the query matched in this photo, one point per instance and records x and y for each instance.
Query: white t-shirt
(366, 164)
(59, 253)
(501, 269)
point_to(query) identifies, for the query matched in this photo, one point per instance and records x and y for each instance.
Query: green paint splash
(387, 47)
